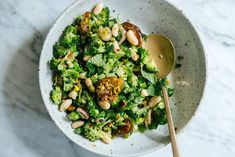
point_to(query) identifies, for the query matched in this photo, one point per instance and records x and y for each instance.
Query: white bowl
(156, 16)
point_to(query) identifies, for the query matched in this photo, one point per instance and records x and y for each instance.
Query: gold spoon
(162, 52)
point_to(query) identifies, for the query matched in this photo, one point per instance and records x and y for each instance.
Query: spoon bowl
(162, 52)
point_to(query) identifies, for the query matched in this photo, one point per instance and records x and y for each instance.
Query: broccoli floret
(56, 95)
(77, 67)
(144, 55)
(151, 67)
(60, 51)
(70, 37)
(68, 84)
(158, 117)
(93, 133)
(54, 63)
(73, 116)
(79, 130)
(91, 68)
(103, 17)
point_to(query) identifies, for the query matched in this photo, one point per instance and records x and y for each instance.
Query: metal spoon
(162, 52)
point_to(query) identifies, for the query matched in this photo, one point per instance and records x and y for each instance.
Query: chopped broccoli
(144, 55)
(71, 73)
(56, 95)
(73, 116)
(70, 37)
(151, 67)
(79, 130)
(68, 84)
(60, 51)
(91, 68)
(92, 132)
(103, 17)
(54, 63)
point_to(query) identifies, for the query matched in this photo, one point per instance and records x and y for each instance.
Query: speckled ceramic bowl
(188, 78)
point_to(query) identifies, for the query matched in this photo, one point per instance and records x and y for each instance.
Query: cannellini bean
(123, 31)
(106, 139)
(73, 95)
(105, 33)
(104, 105)
(86, 58)
(144, 92)
(134, 56)
(65, 104)
(115, 30)
(83, 113)
(154, 101)
(98, 8)
(82, 75)
(148, 118)
(77, 124)
(116, 47)
(89, 84)
(132, 38)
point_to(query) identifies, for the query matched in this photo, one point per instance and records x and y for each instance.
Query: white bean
(65, 104)
(86, 58)
(89, 84)
(106, 139)
(115, 30)
(132, 38)
(98, 8)
(123, 31)
(154, 101)
(77, 124)
(82, 113)
(148, 118)
(82, 75)
(134, 56)
(144, 92)
(116, 47)
(104, 105)
(105, 33)
(73, 95)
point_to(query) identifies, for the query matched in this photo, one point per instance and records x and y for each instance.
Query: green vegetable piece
(149, 76)
(54, 63)
(91, 69)
(56, 95)
(79, 130)
(70, 73)
(68, 84)
(141, 128)
(73, 116)
(92, 132)
(61, 51)
(70, 36)
(144, 55)
(154, 90)
(170, 91)
(97, 60)
(151, 67)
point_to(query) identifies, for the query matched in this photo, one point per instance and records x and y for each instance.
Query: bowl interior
(188, 78)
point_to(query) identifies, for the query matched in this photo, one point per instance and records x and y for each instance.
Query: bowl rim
(205, 79)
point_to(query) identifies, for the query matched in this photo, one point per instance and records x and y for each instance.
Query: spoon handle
(171, 127)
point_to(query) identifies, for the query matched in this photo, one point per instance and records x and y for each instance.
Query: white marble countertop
(26, 129)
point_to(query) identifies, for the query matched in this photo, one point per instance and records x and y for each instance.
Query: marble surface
(26, 129)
